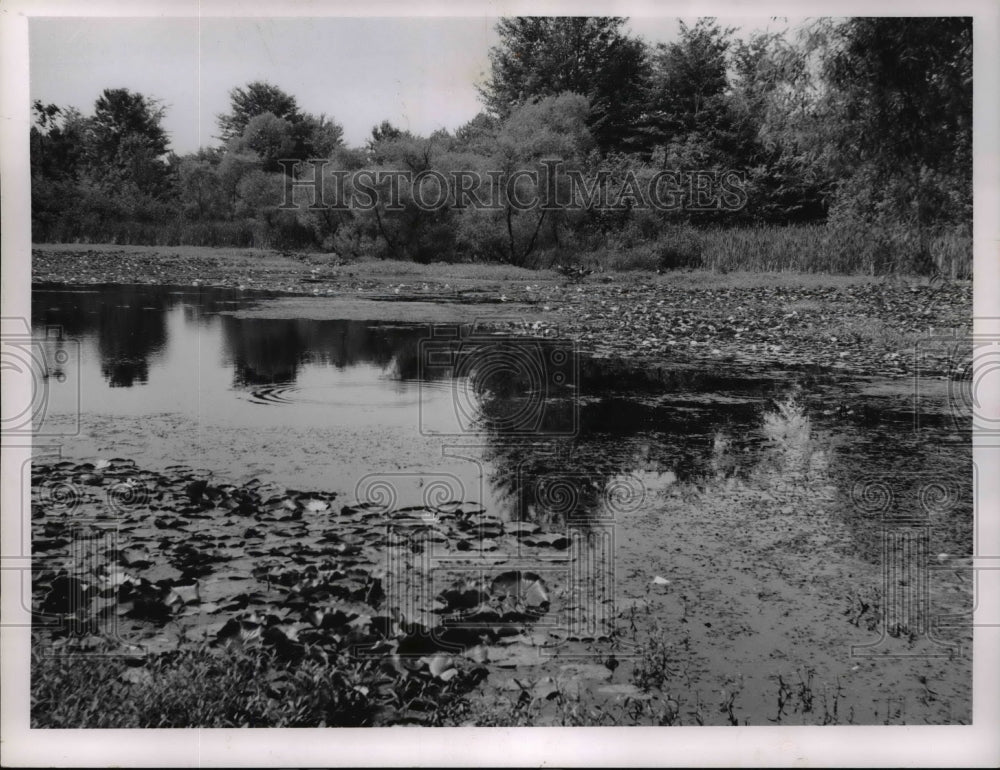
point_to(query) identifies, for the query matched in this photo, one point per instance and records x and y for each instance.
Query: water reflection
(559, 437)
(128, 323)
(272, 351)
(129, 326)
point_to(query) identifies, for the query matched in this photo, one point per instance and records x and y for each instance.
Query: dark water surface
(425, 413)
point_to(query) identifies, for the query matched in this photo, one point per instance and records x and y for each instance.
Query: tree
(265, 120)
(256, 99)
(591, 56)
(58, 146)
(119, 113)
(316, 137)
(409, 230)
(200, 188)
(901, 98)
(543, 130)
(57, 142)
(126, 143)
(385, 131)
(687, 96)
(774, 95)
(479, 134)
(382, 133)
(270, 138)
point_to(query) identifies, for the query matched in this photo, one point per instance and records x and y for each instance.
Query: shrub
(679, 248)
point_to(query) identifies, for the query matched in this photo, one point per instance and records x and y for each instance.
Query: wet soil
(881, 326)
(750, 594)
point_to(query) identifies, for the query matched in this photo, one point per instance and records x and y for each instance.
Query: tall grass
(139, 233)
(197, 685)
(843, 249)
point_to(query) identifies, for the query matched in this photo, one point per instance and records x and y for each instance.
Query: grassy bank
(858, 323)
(198, 686)
(804, 248)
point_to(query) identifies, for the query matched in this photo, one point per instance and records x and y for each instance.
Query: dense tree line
(864, 124)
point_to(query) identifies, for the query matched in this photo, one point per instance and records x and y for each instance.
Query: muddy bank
(738, 598)
(144, 564)
(349, 308)
(852, 324)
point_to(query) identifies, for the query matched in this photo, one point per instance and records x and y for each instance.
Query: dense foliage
(863, 126)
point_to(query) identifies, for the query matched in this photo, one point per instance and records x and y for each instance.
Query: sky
(418, 73)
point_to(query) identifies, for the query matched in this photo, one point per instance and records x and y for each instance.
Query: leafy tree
(235, 164)
(591, 56)
(688, 99)
(119, 113)
(256, 99)
(263, 128)
(57, 142)
(200, 188)
(270, 138)
(287, 133)
(409, 230)
(689, 76)
(543, 130)
(316, 137)
(901, 98)
(773, 97)
(382, 133)
(771, 83)
(479, 134)
(125, 143)
(385, 131)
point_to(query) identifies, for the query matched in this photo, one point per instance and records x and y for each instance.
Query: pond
(681, 462)
(161, 374)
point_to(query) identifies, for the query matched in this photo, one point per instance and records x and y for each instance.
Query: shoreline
(227, 581)
(849, 325)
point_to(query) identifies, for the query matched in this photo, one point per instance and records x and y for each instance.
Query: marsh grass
(837, 249)
(844, 249)
(201, 686)
(197, 687)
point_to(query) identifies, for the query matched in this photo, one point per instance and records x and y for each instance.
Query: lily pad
(521, 528)
(547, 540)
(526, 587)
(515, 656)
(439, 664)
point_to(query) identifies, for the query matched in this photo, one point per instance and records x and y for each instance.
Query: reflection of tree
(128, 332)
(625, 421)
(548, 481)
(271, 351)
(263, 351)
(820, 479)
(128, 322)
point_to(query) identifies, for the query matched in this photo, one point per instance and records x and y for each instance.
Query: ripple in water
(275, 394)
(339, 396)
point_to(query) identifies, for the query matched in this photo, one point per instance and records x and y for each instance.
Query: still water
(426, 413)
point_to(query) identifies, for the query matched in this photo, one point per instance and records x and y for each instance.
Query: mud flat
(749, 609)
(749, 581)
(856, 324)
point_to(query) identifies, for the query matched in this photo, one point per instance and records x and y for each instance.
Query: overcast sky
(419, 73)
